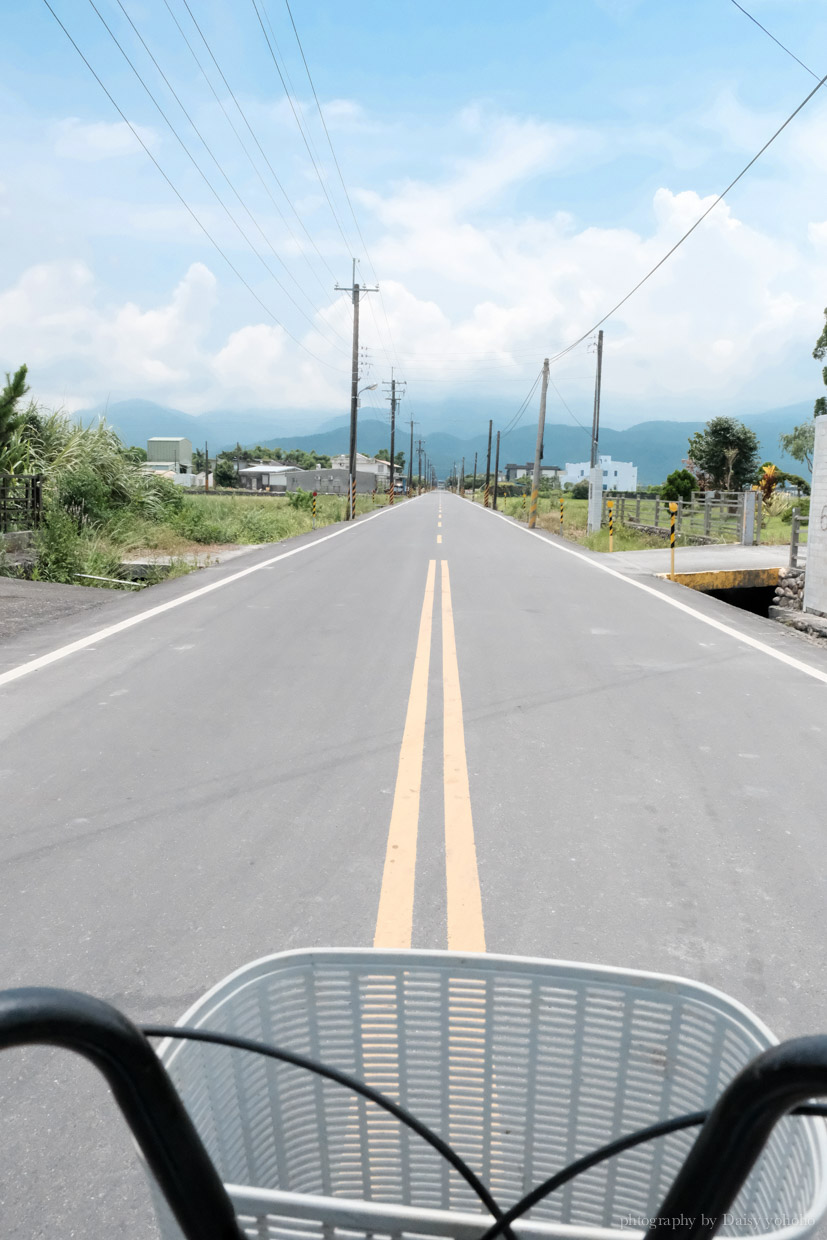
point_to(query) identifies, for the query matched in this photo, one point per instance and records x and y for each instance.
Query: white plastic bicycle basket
(521, 1065)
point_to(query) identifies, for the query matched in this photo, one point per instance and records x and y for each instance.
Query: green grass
(204, 521)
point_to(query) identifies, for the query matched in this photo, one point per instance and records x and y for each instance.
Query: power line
(689, 231)
(772, 36)
(344, 187)
(183, 201)
(243, 116)
(194, 162)
(565, 406)
(515, 420)
(299, 124)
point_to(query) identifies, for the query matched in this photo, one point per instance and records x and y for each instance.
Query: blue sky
(514, 171)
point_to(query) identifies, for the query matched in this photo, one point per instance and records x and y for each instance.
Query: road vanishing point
(430, 728)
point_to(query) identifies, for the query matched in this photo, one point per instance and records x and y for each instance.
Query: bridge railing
(713, 516)
(798, 549)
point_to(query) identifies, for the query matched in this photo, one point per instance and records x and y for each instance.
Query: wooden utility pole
(392, 398)
(497, 472)
(595, 475)
(487, 494)
(461, 487)
(474, 483)
(206, 466)
(410, 464)
(354, 290)
(419, 470)
(538, 451)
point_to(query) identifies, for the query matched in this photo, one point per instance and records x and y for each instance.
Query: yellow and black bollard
(487, 496)
(532, 512)
(314, 510)
(373, 498)
(353, 500)
(673, 509)
(611, 506)
(523, 503)
(561, 514)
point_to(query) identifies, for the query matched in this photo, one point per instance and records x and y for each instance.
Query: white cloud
(99, 140)
(730, 317)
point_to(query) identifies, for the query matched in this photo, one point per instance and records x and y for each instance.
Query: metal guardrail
(717, 516)
(21, 501)
(798, 550)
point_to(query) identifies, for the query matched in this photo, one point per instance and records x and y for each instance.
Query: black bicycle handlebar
(736, 1131)
(146, 1096)
(729, 1143)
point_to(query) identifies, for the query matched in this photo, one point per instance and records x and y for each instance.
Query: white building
(267, 477)
(617, 475)
(364, 465)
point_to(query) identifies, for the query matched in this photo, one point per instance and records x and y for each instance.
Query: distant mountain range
(655, 447)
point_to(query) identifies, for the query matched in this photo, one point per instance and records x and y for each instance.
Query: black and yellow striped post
(373, 498)
(486, 500)
(523, 503)
(314, 510)
(532, 511)
(353, 499)
(562, 501)
(610, 504)
(673, 510)
(391, 488)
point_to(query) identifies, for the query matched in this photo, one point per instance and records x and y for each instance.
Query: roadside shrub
(580, 490)
(58, 546)
(678, 485)
(299, 499)
(83, 494)
(196, 524)
(156, 498)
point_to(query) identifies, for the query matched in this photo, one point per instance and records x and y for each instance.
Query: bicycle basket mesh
(522, 1066)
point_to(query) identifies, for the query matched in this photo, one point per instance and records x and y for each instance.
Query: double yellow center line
(394, 923)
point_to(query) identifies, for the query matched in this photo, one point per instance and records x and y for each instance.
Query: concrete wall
(815, 590)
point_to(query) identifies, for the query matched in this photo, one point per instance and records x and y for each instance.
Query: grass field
(203, 523)
(774, 531)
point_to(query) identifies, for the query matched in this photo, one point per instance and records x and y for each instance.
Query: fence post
(794, 527)
(657, 513)
(707, 514)
(637, 509)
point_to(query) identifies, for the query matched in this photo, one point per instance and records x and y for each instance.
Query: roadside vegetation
(101, 508)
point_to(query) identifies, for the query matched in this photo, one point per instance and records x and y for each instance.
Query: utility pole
(206, 466)
(538, 451)
(410, 464)
(392, 398)
(354, 290)
(461, 485)
(497, 472)
(419, 468)
(595, 472)
(487, 495)
(474, 484)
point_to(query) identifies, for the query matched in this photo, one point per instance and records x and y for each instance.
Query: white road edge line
(54, 656)
(814, 672)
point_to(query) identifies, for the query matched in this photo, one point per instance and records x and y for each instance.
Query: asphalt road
(625, 775)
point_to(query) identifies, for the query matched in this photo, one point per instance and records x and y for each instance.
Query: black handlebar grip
(146, 1096)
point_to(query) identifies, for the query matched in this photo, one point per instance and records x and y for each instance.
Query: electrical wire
(515, 420)
(196, 165)
(772, 36)
(689, 231)
(220, 168)
(243, 116)
(347, 195)
(300, 127)
(184, 202)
